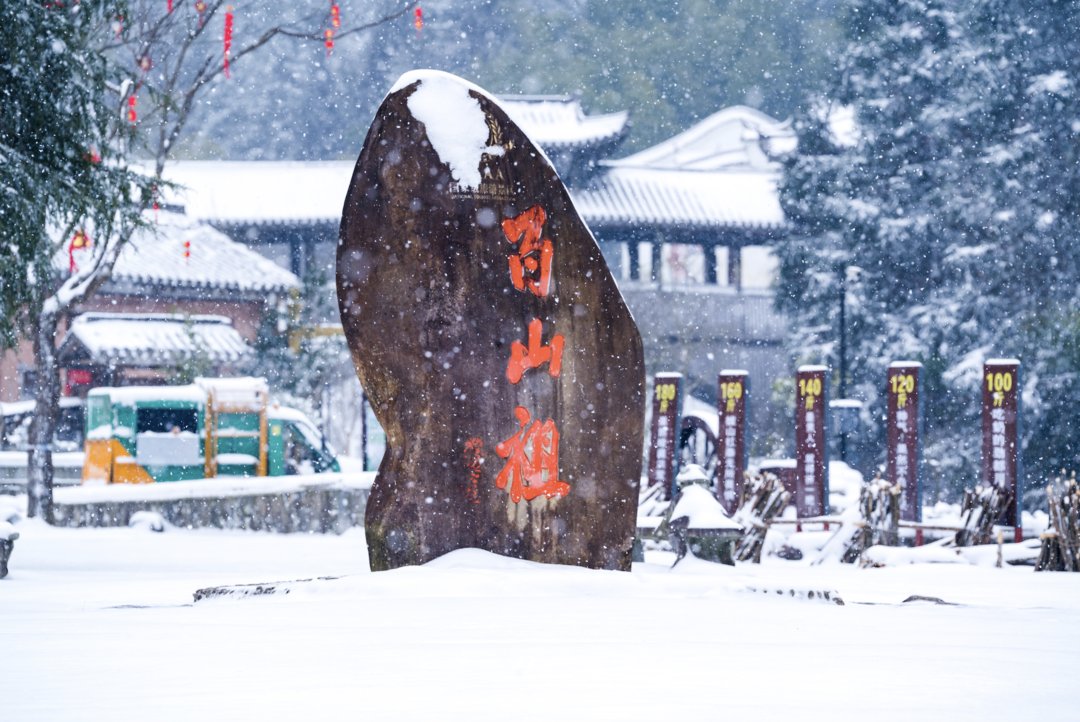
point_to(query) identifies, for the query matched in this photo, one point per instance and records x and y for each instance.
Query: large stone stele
(491, 339)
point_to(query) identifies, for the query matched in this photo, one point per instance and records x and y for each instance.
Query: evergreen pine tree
(62, 170)
(940, 213)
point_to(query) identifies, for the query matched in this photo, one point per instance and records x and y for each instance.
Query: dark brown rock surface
(491, 339)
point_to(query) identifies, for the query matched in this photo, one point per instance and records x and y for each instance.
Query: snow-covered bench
(8, 535)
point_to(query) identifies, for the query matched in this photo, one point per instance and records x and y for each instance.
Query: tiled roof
(158, 256)
(735, 138)
(555, 121)
(717, 174)
(260, 192)
(149, 339)
(626, 196)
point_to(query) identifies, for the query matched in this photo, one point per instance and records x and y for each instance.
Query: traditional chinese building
(180, 292)
(685, 225)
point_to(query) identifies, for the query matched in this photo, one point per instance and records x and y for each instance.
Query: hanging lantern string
(335, 24)
(418, 19)
(228, 37)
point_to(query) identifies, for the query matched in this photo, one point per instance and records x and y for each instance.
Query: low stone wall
(308, 507)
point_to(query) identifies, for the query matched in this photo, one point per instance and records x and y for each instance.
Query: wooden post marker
(664, 434)
(733, 398)
(489, 335)
(1001, 461)
(903, 448)
(811, 452)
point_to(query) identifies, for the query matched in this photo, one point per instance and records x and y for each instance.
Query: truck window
(166, 420)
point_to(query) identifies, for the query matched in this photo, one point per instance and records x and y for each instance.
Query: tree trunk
(39, 472)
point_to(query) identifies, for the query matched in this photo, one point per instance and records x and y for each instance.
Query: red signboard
(733, 395)
(666, 417)
(811, 470)
(82, 377)
(903, 383)
(1001, 463)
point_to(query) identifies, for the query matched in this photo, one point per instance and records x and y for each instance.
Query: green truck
(213, 427)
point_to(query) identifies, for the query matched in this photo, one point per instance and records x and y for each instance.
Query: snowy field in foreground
(99, 624)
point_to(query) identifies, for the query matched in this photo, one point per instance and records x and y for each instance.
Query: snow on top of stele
(454, 121)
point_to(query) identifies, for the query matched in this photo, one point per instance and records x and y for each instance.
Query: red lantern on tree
(78, 242)
(187, 251)
(329, 42)
(418, 19)
(132, 114)
(228, 36)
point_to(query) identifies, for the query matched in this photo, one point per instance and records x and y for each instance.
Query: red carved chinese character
(532, 460)
(523, 358)
(530, 264)
(474, 459)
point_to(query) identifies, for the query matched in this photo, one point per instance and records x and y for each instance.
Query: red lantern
(170, 6)
(228, 36)
(329, 43)
(132, 114)
(335, 16)
(187, 251)
(77, 243)
(418, 20)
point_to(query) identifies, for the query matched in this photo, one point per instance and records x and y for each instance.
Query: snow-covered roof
(286, 192)
(717, 174)
(557, 121)
(738, 138)
(179, 251)
(151, 339)
(260, 192)
(236, 192)
(626, 195)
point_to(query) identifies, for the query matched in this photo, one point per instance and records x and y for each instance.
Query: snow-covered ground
(99, 624)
